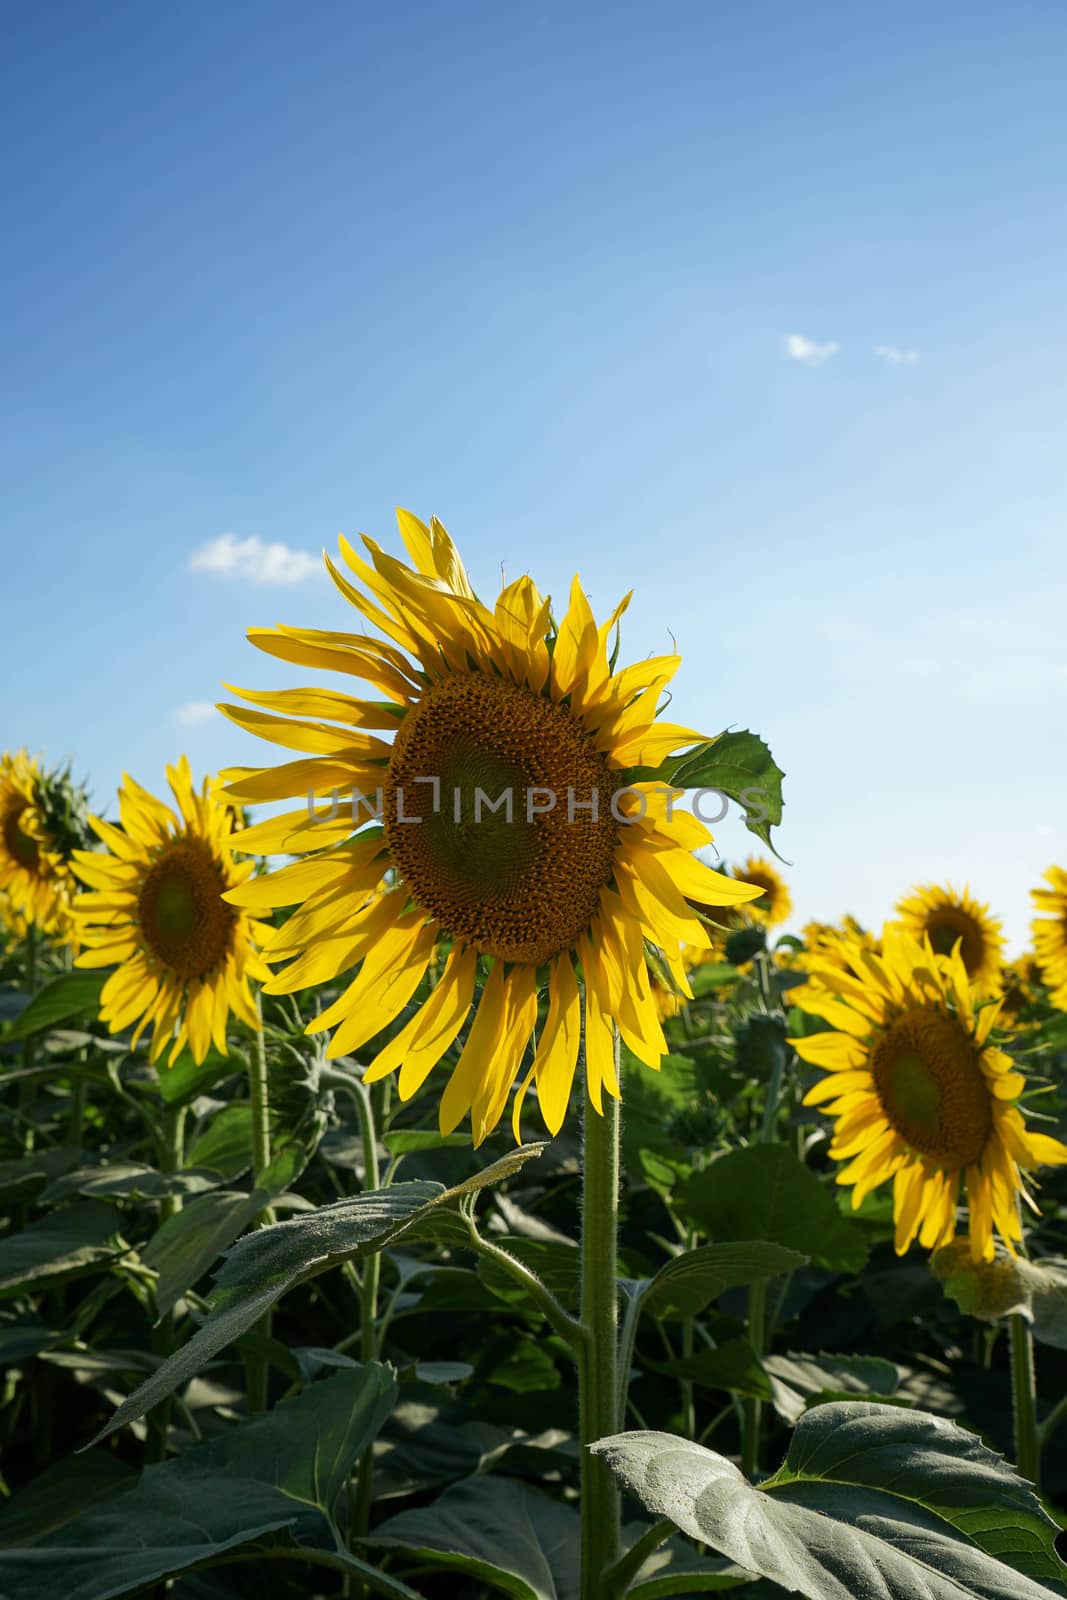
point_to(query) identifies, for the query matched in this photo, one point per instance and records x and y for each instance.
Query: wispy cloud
(895, 356)
(811, 353)
(196, 711)
(252, 558)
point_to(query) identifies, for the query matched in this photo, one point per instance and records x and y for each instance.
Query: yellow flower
(1050, 934)
(156, 912)
(945, 916)
(919, 1094)
(571, 873)
(35, 873)
(775, 903)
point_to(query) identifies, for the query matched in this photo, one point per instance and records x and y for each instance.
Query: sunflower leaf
(740, 766)
(691, 1281)
(870, 1499)
(75, 994)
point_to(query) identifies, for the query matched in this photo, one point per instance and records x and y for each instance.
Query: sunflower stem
(368, 1304)
(257, 1365)
(598, 1389)
(1024, 1397)
(29, 1048)
(752, 1418)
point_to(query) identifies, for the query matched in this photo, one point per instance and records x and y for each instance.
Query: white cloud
(252, 558)
(196, 711)
(895, 355)
(812, 354)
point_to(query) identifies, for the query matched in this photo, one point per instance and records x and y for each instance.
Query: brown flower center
(945, 925)
(931, 1087)
(19, 844)
(517, 839)
(186, 924)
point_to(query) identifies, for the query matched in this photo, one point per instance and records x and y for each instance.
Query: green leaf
(64, 1244)
(733, 1367)
(75, 994)
(225, 1146)
(187, 1244)
(764, 1192)
(497, 1530)
(266, 1264)
(676, 1569)
(799, 1380)
(60, 1493)
(406, 1141)
(740, 766)
(131, 1180)
(273, 1481)
(870, 1500)
(691, 1281)
(188, 1078)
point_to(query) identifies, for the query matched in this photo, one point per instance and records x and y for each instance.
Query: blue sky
(271, 270)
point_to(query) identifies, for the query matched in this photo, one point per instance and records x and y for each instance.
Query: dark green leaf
(188, 1078)
(64, 1244)
(692, 1280)
(75, 994)
(732, 1367)
(274, 1480)
(191, 1241)
(499, 1531)
(225, 1146)
(799, 1380)
(61, 1493)
(765, 1192)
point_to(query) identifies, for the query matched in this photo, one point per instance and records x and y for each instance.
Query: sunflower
(775, 903)
(511, 740)
(1050, 934)
(156, 912)
(828, 941)
(919, 1094)
(35, 874)
(945, 916)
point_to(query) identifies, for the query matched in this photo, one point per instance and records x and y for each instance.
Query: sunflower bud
(987, 1290)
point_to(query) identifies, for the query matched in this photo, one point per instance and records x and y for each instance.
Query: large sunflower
(35, 874)
(946, 915)
(1050, 934)
(156, 912)
(571, 875)
(918, 1092)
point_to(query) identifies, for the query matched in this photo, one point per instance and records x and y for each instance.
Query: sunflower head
(155, 911)
(948, 917)
(919, 1093)
(1049, 929)
(775, 903)
(42, 820)
(507, 769)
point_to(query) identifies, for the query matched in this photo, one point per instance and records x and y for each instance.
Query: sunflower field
(426, 1175)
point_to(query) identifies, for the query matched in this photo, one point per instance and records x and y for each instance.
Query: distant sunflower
(775, 903)
(829, 941)
(919, 1094)
(35, 874)
(944, 915)
(1050, 934)
(572, 875)
(156, 912)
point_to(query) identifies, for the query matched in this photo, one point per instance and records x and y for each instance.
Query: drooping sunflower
(1050, 934)
(569, 875)
(919, 1094)
(775, 903)
(155, 911)
(35, 873)
(944, 915)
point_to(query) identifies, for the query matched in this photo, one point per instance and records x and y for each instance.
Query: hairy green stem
(598, 1379)
(368, 1306)
(257, 1365)
(1052, 1421)
(1024, 1397)
(752, 1416)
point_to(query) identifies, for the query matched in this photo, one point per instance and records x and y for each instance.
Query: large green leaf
(799, 1380)
(225, 1146)
(764, 1192)
(498, 1530)
(732, 1366)
(186, 1245)
(273, 1481)
(692, 1280)
(75, 994)
(266, 1264)
(60, 1493)
(64, 1244)
(871, 1500)
(128, 1180)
